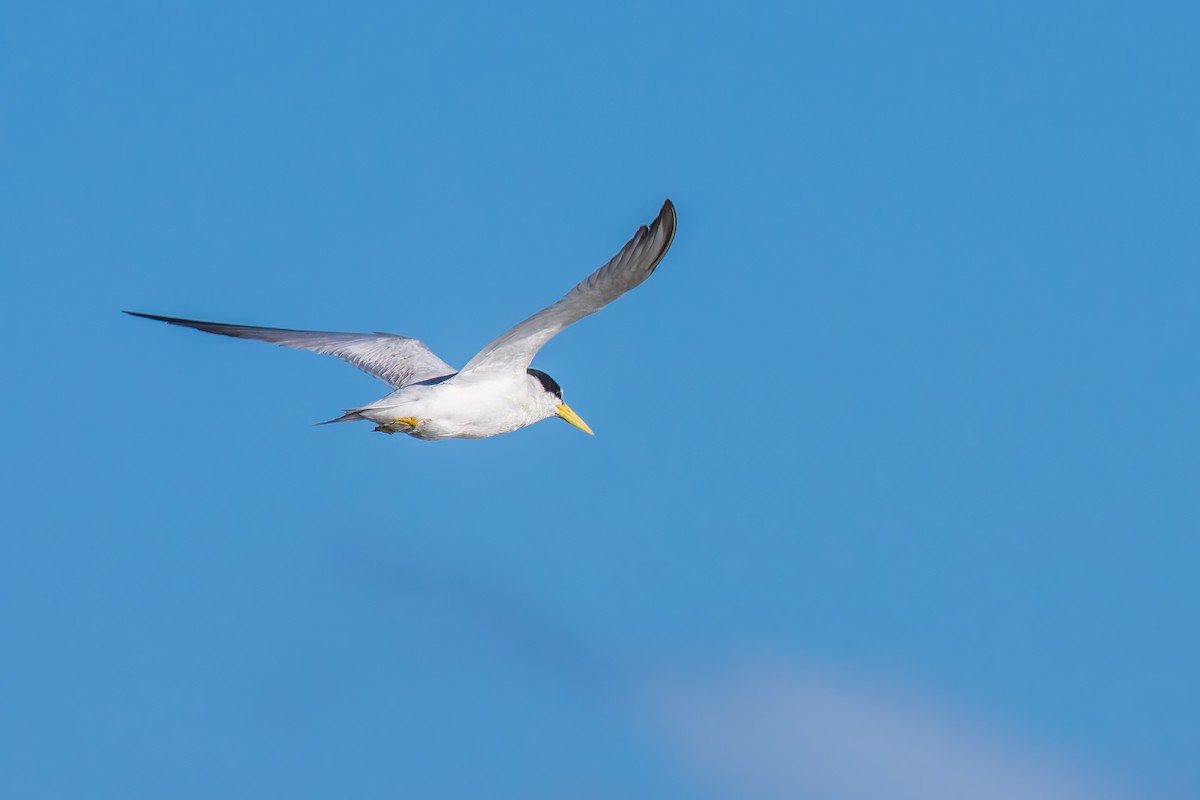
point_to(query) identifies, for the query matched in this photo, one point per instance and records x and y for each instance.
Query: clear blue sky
(912, 398)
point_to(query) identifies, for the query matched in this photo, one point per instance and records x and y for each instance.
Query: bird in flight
(497, 391)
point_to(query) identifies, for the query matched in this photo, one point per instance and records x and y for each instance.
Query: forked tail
(350, 415)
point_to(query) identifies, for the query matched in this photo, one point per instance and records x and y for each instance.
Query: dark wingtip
(147, 316)
(667, 220)
(668, 211)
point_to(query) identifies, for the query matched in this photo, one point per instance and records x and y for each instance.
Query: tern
(497, 391)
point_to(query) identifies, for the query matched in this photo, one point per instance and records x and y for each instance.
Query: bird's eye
(548, 383)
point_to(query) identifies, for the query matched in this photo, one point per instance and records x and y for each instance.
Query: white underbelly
(451, 412)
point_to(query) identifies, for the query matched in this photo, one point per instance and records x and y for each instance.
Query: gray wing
(398, 361)
(516, 347)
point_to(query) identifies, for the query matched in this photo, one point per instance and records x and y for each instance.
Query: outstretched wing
(398, 361)
(516, 347)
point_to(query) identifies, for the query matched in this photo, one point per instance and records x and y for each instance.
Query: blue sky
(910, 403)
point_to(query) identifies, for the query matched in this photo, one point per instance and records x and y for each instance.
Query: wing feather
(514, 349)
(398, 361)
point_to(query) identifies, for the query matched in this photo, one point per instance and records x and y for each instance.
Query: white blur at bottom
(773, 730)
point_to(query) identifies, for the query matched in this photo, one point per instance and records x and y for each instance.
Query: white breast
(467, 409)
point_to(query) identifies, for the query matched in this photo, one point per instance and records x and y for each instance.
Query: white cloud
(773, 730)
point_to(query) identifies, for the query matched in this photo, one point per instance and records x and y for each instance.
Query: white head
(551, 396)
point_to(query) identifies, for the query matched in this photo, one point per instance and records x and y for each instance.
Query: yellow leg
(411, 422)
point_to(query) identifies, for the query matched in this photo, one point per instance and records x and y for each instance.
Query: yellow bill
(570, 416)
